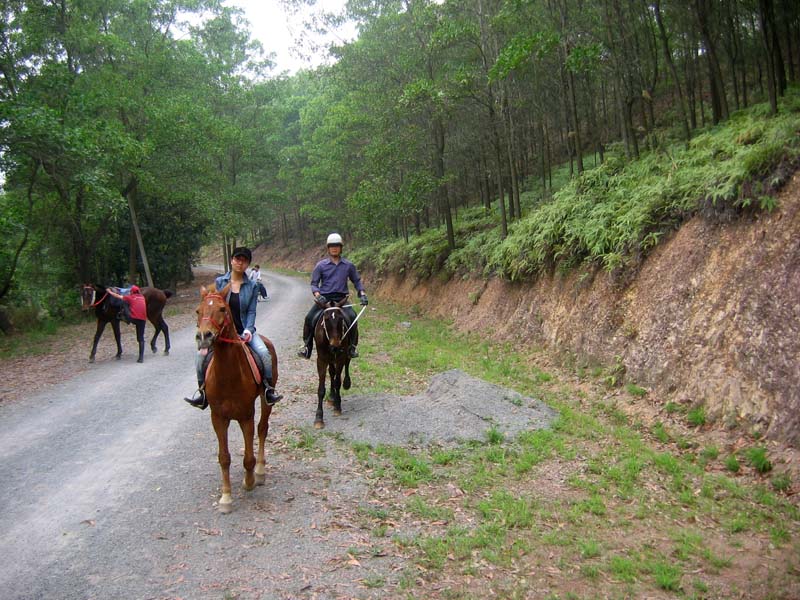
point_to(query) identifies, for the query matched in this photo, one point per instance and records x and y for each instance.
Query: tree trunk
(671, 64)
(766, 19)
(131, 198)
(442, 197)
(719, 102)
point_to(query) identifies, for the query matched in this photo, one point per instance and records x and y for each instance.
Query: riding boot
(198, 400)
(266, 378)
(269, 393)
(305, 349)
(354, 344)
(308, 342)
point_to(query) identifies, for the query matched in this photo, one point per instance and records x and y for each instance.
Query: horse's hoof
(337, 412)
(328, 401)
(225, 504)
(118, 357)
(319, 424)
(166, 352)
(91, 359)
(261, 478)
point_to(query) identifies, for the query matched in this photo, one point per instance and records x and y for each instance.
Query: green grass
(732, 464)
(758, 459)
(696, 417)
(782, 482)
(596, 490)
(635, 390)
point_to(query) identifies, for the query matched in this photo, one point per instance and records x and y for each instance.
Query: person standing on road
(138, 311)
(329, 284)
(242, 299)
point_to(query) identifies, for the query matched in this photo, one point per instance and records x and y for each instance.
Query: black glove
(364, 300)
(321, 299)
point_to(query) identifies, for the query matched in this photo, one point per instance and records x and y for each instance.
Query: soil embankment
(712, 317)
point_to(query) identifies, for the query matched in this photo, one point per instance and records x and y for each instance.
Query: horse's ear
(203, 292)
(224, 291)
(343, 301)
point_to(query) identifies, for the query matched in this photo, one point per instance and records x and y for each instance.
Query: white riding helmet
(335, 239)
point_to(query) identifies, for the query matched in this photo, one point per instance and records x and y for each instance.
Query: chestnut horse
(231, 389)
(107, 308)
(333, 355)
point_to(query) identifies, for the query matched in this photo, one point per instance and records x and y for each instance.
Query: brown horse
(333, 355)
(107, 308)
(231, 389)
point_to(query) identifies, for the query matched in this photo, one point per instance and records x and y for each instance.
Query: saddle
(252, 361)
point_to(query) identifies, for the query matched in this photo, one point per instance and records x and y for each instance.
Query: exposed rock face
(712, 317)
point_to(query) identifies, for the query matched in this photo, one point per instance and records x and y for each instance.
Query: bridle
(325, 324)
(225, 322)
(94, 293)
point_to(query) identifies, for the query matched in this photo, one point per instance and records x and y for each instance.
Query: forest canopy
(132, 135)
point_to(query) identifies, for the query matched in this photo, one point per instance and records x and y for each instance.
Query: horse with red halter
(107, 310)
(333, 356)
(231, 387)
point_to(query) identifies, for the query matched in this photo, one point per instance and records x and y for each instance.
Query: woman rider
(242, 299)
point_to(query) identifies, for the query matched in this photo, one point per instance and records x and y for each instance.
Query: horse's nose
(204, 339)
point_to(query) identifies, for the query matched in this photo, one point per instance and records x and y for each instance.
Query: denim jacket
(248, 297)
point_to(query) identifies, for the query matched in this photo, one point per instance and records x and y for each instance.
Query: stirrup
(353, 351)
(304, 352)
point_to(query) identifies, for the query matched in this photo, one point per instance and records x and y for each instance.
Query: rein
(358, 316)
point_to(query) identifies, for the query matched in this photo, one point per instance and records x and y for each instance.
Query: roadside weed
(667, 576)
(782, 482)
(589, 548)
(696, 417)
(732, 464)
(635, 390)
(758, 459)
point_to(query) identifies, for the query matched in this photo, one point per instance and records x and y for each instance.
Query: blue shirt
(248, 296)
(331, 278)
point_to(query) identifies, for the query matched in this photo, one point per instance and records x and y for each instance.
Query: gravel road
(110, 479)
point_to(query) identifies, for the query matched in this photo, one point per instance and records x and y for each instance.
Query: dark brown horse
(231, 389)
(333, 355)
(107, 309)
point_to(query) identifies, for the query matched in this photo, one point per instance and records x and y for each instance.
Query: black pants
(316, 310)
(140, 323)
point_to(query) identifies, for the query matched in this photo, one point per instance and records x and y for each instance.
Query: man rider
(329, 284)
